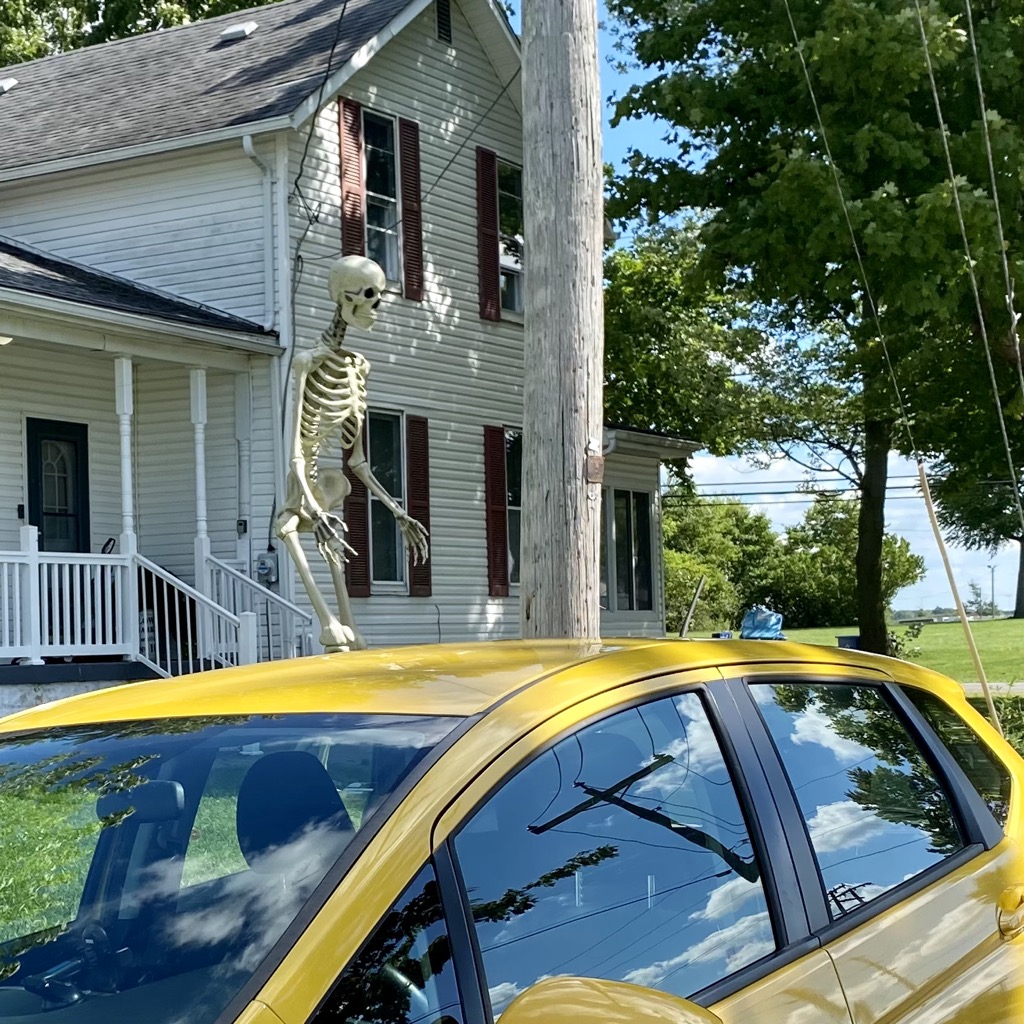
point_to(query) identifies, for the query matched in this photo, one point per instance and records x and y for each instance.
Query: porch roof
(26, 269)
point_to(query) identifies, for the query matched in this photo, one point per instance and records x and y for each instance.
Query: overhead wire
(903, 414)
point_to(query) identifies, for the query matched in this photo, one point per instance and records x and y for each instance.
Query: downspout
(267, 178)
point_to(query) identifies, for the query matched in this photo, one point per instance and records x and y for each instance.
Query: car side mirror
(592, 1001)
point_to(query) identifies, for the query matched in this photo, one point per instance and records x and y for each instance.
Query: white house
(169, 207)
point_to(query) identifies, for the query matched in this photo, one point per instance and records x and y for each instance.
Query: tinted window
(148, 867)
(405, 972)
(620, 853)
(988, 775)
(874, 809)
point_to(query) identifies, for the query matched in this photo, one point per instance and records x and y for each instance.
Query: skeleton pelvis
(330, 490)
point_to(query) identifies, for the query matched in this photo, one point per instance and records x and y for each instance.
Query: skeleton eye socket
(370, 292)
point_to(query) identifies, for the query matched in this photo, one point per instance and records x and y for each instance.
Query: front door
(58, 484)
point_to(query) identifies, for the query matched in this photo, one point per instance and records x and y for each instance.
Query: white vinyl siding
(47, 382)
(435, 358)
(191, 223)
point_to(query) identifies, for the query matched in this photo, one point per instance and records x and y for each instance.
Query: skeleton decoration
(330, 409)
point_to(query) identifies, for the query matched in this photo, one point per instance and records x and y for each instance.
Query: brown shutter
(496, 503)
(357, 517)
(417, 482)
(353, 191)
(488, 271)
(412, 217)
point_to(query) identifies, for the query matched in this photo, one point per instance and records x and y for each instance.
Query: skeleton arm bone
(412, 530)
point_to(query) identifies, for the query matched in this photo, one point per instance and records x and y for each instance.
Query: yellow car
(630, 832)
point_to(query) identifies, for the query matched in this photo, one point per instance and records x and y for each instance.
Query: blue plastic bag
(761, 624)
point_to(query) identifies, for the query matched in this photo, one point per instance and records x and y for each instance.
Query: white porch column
(243, 431)
(124, 400)
(31, 609)
(197, 388)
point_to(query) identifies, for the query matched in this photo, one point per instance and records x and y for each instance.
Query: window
(988, 775)
(404, 973)
(620, 853)
(514, 503)
(384, 451)
(875, 811)
(627, 551)
(510, 236)
(195, 843)
(382, 217)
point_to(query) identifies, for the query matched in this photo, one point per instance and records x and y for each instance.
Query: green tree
(39, 28)
(811, 585)
(728, 83)
(672, 346)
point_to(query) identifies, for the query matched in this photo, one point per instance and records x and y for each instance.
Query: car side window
(620, 853)
(404, 973)
(988, 775)
(875, 811)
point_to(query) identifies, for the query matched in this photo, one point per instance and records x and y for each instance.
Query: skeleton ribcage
(334, 403)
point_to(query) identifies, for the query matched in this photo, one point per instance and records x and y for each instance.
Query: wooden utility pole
(564, 348)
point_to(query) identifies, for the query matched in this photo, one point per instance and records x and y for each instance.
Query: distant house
(169, 207)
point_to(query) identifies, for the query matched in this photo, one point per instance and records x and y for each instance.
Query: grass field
(943, 647)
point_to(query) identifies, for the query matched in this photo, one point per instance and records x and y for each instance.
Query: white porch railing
(59, 604)
(281, 624)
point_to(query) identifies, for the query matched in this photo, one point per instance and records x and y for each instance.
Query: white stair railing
(182, 631)
(280, 624)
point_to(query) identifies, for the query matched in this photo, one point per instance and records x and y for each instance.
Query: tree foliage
(672, 346)
(39, 28)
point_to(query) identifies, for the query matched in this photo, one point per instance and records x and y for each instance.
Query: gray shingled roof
(28, 270)
(179, 82)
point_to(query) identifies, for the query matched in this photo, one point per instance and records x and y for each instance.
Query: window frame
(519, 309)
(768, 838)
(395, 282)
(949, 775)
(609, 561)
(400, 585)
(517, 561)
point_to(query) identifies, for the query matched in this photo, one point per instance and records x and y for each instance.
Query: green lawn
(943, 647)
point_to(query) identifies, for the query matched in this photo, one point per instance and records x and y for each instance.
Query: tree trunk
(564, 334)
(1018, 606)
(874, 635)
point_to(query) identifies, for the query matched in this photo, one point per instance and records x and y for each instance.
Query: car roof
(436, 679)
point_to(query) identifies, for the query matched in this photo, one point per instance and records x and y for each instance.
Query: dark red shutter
(357, 516)
(417, 502)
(412, 216)
(488, 271)
(496, 503)
(353, 191)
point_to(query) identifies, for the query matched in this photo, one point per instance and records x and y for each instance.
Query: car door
(633, 839)
(908, 857)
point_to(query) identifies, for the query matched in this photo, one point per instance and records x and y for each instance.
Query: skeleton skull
(355, 284)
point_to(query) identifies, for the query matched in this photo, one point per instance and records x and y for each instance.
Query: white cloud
(727, 897)
(740, 943)
(813, 726)
(698, 751)
(841, 825)
(502, 994)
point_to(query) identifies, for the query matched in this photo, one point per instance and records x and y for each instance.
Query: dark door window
(620, 853)
(58, 484)
(874, 809)
(404, 974)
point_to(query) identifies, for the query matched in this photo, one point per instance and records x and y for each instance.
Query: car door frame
(979, 829)
(783, 892)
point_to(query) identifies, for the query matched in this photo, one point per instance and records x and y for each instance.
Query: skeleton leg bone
(335, 634)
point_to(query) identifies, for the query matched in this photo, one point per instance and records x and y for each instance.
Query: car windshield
(148, 867)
